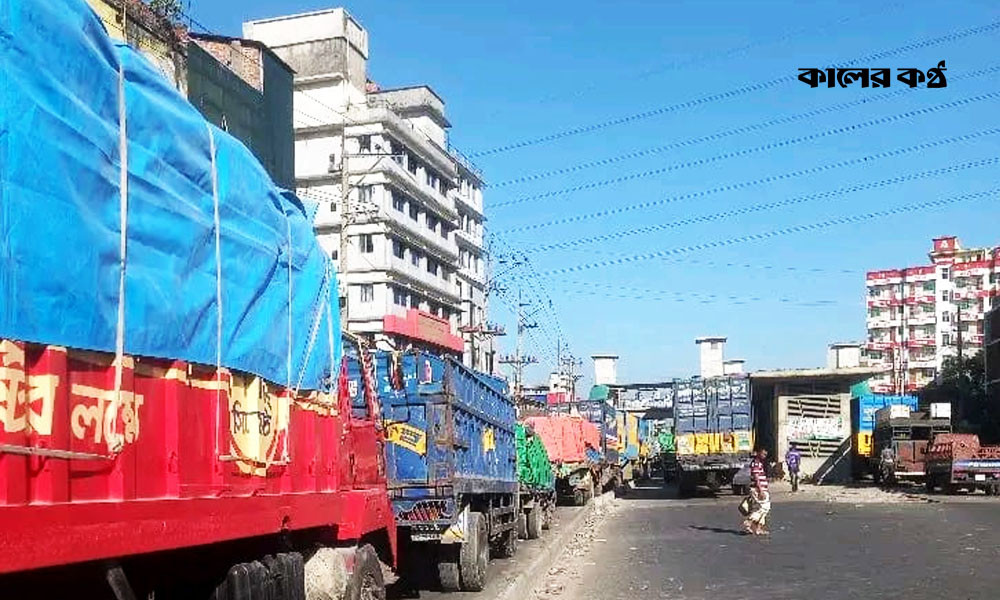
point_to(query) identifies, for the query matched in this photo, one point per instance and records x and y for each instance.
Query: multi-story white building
(411, 259)
(918, 316)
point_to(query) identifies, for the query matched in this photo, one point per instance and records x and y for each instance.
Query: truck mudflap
(457, 532)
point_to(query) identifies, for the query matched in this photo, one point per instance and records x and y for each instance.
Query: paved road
(656, 546)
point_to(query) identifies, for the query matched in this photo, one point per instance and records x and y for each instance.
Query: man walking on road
(756, 522)
(793, 458)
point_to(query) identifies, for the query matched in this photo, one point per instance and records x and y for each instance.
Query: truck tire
(288, 574)
(474, 554)
(366, 582)
(507, 546)
(534, 523)
(685, 485)
(579, 498)
(449, 575)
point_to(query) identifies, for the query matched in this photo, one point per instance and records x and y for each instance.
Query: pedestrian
(793, 459)
(756, 521)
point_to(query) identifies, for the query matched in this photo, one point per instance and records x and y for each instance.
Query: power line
(754, 182)
(816, 226)
(730, 132)
(859, 187)
(735, 51)
(733, 93)
(667, 296)
(753, 150)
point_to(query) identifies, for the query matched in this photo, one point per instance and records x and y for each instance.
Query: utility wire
(826, 27)
(816, 226)
(740, 91)
(704, 299)
(755, 149)
(761, 181)
(731, 132)
(765, 206)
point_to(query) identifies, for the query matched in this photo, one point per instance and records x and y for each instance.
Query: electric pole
(345, 219)
(519, 360)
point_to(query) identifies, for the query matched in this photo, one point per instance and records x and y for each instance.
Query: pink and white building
(918, 316)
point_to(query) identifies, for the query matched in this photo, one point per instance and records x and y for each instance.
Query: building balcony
(921, 342)
(470, 239)
(413, 138)
(883, 323)
(468, 203)
(882, 345)
(879, 302)
(922, 363)
(884, 277)
(922, 319)
(975, 338)
(920, 299)
(434, 287)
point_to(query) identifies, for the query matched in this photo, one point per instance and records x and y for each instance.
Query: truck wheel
(579, 499)
(449, 576)
(929, 484)
(366, 582)
(685, 486)
(547, 517)
(534, 523)
(508, 543)
(474, 555)
(288, 574)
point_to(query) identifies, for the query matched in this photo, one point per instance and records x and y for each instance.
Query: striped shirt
(759, 475)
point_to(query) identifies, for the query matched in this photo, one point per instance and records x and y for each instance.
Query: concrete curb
(521, 586)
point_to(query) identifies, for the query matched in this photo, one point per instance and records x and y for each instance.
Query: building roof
(211, 37)
(603, 356)
(710, 338)
(818, 373)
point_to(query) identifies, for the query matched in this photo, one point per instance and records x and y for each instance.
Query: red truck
(225, 483)
(957, 461)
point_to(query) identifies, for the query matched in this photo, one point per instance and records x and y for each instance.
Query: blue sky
(515, 71)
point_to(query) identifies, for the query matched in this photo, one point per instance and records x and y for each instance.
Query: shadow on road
(718, 530)
(657, 490)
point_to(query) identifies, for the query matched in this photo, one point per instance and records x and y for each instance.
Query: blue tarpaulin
(219, 265)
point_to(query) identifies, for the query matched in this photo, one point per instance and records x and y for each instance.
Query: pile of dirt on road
(572, 561)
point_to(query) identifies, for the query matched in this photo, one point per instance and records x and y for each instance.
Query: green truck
(537, 497)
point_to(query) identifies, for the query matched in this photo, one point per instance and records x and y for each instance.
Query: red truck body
(205, 456)
(957, 460)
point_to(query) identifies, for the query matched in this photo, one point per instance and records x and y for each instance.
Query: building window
(445, 231)
(945, 273)
(365, 193)
(365, 143)
(432, 222)
(415, 257)
(367, 243)
(944, 295)
(946, 339)
(367, 292)
(398, 249)
(946, 317)
(398, 202)
(432, 266)
(399, 296)
(411, 164)
(459, 284)
(414, 301)
(334, 254)
(414, 210)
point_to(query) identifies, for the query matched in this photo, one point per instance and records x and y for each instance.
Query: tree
(171, 10)
(962, 383)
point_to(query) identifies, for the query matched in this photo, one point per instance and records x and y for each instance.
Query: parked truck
(179, 414)
(571, 443)
(713, 432)
(864, 405)
(537, 483)
(900, 442)
(605, 458)
(956, 461)
(451, 464)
